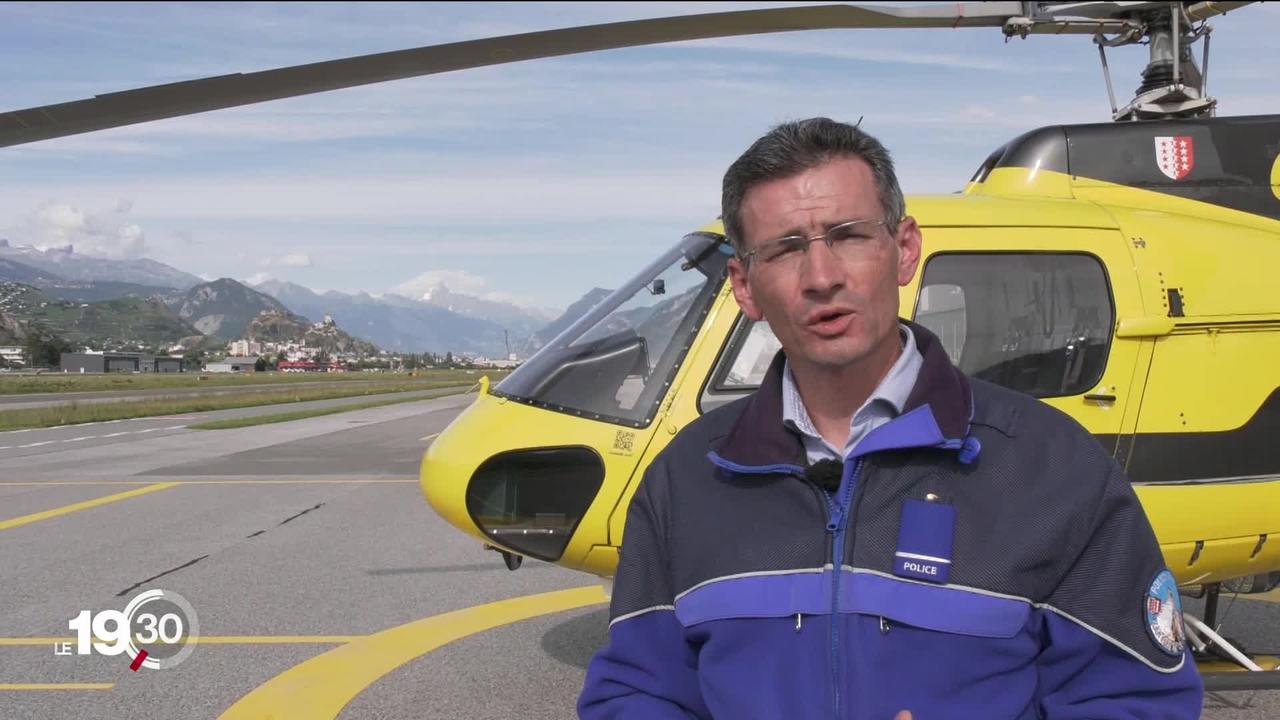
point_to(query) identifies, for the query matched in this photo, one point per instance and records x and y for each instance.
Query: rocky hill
(286, 327)
(12, 332)
(223, 308)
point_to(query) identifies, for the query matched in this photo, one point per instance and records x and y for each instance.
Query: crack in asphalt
(189, 563)
(136, 585)
(317, 506)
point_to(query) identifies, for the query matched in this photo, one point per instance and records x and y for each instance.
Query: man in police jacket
(873, 532)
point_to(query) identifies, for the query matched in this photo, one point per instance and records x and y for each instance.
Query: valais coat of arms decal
(1175, 154)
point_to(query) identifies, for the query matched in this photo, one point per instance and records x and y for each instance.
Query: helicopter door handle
(1100, 397)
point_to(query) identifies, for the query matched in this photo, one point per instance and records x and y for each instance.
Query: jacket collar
(937, 414)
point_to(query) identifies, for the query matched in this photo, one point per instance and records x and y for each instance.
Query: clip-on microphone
(825, 474)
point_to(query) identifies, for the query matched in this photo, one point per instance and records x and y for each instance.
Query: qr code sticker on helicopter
(624, 442)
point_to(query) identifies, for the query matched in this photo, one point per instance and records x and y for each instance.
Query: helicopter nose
(529, 501)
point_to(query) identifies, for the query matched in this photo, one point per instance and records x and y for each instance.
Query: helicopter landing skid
(1259, 672)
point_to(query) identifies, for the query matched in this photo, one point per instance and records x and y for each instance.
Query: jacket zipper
(839, 520)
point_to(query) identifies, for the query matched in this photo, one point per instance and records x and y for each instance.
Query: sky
(529, 182)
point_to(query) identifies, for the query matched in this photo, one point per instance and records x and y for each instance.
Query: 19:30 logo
(155, 629)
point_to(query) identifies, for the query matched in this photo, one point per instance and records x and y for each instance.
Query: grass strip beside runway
(314, 412)
(56, 382)
(73, 413)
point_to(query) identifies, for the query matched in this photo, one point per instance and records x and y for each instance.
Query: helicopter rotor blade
(224, 91)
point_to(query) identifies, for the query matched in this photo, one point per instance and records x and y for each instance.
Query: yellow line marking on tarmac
(208, 640)
(210, 482)
(56, 686)
(46, 514)
(322, 686)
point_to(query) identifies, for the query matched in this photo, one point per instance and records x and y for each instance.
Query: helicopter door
(1033, 310)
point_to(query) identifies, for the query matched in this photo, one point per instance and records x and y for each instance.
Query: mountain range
(394, 322)
(68, 265)
(439, 320)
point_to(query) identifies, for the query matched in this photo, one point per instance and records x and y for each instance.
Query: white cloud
(108, 234)
(290, 260)
(258, 278)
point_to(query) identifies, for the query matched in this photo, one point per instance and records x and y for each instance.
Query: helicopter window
(742, 364)
(753, 358)
(616, 362)
(941, 309)
(1039, 323)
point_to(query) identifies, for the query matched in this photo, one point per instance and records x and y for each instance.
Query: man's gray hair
(799, 145)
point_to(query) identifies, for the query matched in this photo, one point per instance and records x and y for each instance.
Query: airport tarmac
(323, 584)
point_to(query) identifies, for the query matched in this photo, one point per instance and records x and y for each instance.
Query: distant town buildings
(292, 351)
(244, 348)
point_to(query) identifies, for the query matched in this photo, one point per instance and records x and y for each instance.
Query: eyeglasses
(846, 241)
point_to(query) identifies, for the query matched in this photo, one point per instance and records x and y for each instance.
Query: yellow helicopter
(1097, 267)
(1118, 271)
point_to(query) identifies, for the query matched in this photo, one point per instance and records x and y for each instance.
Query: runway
(324, 585)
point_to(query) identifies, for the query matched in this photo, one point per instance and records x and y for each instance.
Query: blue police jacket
(983, 557)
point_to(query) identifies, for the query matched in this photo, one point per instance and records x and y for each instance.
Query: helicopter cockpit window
(616, 362)
(753, 358)
(742, 364)
(1039, 323)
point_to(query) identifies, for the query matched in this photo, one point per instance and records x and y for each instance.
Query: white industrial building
(232, 364)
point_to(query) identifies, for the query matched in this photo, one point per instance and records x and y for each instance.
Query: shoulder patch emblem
(1163, 611)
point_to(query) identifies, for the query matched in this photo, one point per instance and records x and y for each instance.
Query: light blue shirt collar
(885, 403)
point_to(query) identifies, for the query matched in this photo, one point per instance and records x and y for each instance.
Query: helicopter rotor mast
(1130, 21)
(1173, 86)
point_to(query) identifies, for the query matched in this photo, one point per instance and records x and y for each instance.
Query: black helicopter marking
(1249, 450)
(1233, 157)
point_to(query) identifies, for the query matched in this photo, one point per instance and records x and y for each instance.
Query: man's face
(826, 310)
